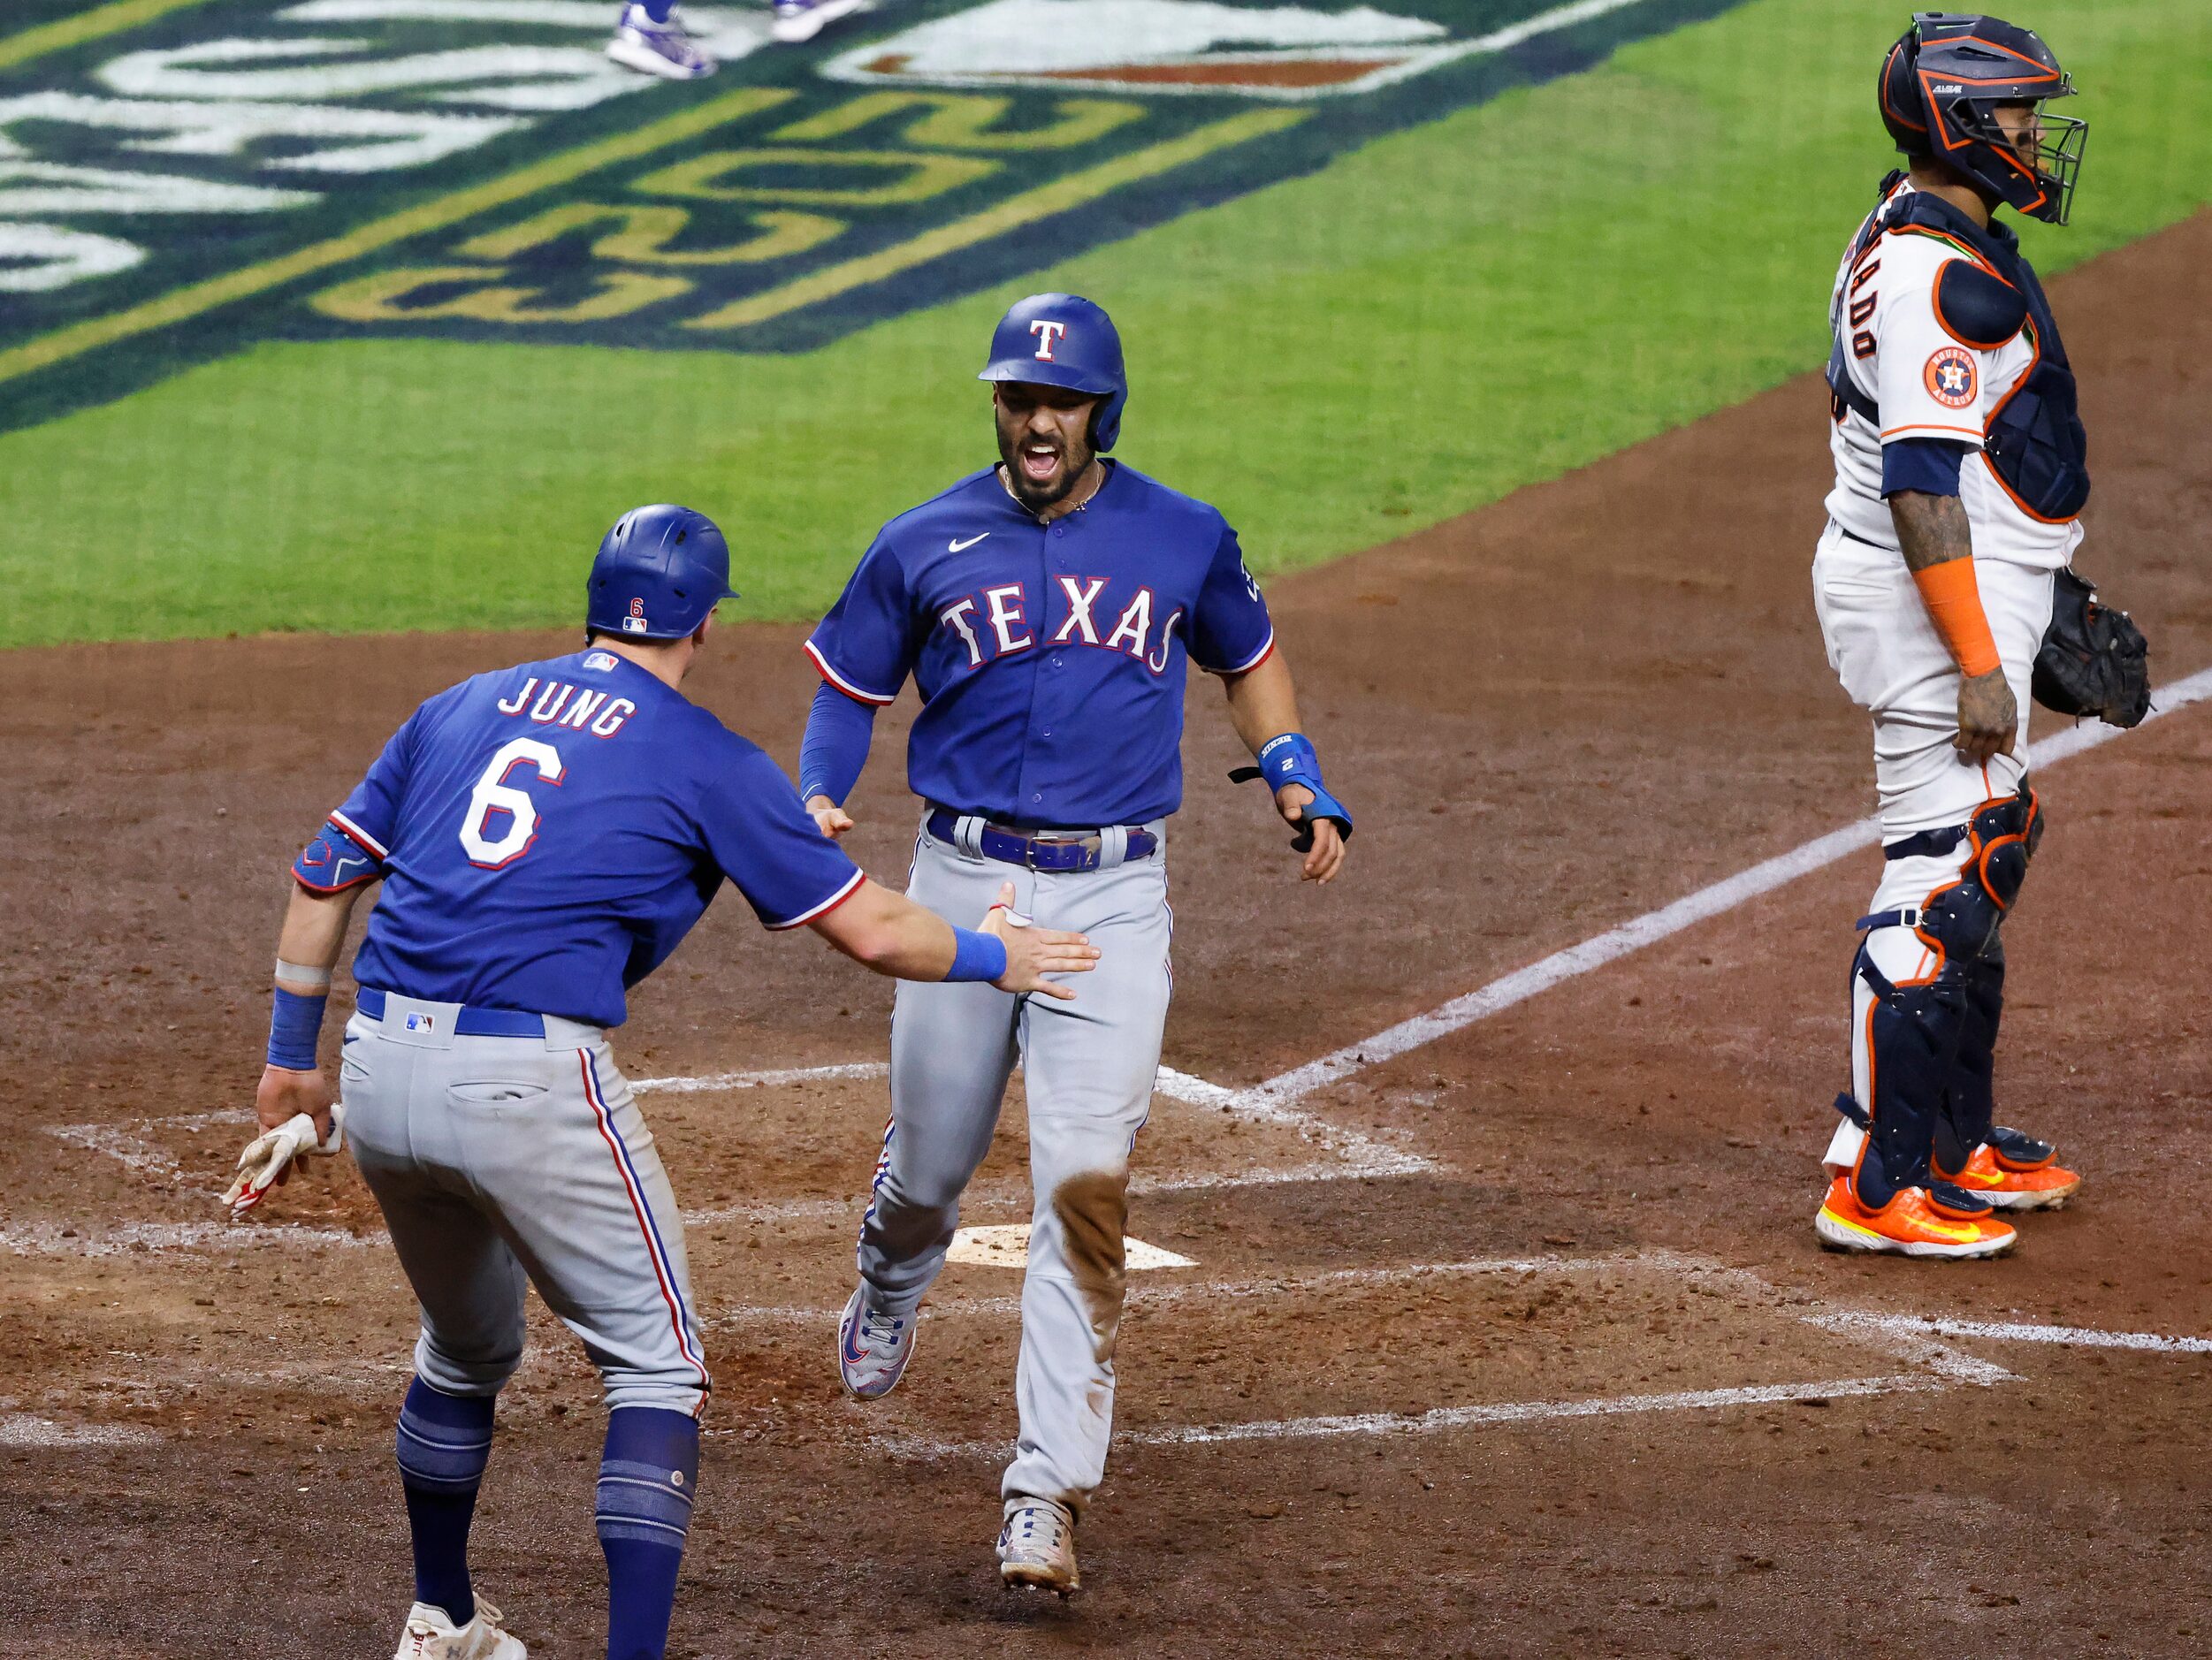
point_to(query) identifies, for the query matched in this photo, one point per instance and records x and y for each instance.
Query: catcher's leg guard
(1910, 1036)
(1969, 1106)
(1927, 989)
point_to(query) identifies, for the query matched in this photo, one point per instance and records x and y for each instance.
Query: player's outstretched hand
(832, 819)
(1987, 718)
(1325, 858)
(1032, 953)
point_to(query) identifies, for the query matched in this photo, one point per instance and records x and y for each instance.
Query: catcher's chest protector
(2035, 439)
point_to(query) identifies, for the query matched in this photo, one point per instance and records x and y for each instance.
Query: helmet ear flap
(1897, 90)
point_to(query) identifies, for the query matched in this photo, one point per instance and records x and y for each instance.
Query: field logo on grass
(228, 172)
(1154, 46)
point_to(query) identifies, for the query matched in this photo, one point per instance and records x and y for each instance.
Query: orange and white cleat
(2015, 1171)
(1918, 1221)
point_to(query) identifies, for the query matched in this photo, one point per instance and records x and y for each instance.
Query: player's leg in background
(952, 1050)
(587, 1210)
(1089, 1068)
(469, 1287)
(651, 39)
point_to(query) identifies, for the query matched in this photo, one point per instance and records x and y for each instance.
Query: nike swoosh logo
(955, 547)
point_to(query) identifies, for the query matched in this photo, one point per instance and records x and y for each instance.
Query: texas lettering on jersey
(1049, 656)
(1004, 609)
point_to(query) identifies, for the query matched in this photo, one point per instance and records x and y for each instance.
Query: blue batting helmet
(1940, 86)
(659, 572)
(1063, 340)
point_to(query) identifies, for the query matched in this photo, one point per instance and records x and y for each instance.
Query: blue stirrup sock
(444, 1443)
(658, 11)
(646, 1479)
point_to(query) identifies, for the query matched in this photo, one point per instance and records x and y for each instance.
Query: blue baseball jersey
(548, 833)
(1050, 657)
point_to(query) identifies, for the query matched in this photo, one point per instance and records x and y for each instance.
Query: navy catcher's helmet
(1939, 87)
(659, 572)
(1063, 340)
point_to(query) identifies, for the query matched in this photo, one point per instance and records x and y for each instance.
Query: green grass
(1445, 315)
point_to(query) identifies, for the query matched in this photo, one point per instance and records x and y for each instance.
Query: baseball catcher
(1960, 475)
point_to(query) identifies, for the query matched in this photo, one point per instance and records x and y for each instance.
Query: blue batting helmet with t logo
(1063, 340)
(659, 572)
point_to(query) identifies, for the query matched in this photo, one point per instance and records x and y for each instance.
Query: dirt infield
(1514, 1344)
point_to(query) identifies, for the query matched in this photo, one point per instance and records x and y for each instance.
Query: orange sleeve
(1954, 601)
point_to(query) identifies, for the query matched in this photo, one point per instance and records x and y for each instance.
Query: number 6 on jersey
(495, 794)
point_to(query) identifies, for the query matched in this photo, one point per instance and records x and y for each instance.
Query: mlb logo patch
(600, 660)
(634, 625)
(417, 1021)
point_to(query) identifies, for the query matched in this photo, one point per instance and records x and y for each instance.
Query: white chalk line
(1153, 1293)
(1913, 1339)
(1286, 1088)
(25, 1429)
(1942, 1367)
(1909, 1326)
(1357, 1152)
(1272, 1101)
(1444, 1418)
(1352, 1155)
(135, 1238)
(773, 1078)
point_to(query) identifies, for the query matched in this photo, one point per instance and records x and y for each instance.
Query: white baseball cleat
(1036, 1547)
(658, 48)
(874, 1346)
(430, 1635)
(797, 21)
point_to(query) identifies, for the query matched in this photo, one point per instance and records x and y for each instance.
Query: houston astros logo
(1047, 334)
(1950, 377)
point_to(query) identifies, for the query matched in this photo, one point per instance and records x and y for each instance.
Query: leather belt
(1050, 850)
(469, 1023)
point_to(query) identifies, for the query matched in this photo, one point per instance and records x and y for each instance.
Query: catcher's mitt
(2094, 660)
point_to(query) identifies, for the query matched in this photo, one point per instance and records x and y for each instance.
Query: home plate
(1007, 1247)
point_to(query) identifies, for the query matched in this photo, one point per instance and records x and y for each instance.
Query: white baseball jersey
(1925, 382)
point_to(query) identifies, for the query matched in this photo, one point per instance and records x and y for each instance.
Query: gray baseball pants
(1089, 1067)
(506, 1161)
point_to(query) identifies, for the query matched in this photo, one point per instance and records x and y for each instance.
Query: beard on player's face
(1044, 438)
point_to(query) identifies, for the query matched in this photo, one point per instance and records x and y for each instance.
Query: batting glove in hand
(270, 1154)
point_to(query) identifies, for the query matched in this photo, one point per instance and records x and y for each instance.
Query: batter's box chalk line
(1351, 1153)
(1936, 1365)
(1276, 1101)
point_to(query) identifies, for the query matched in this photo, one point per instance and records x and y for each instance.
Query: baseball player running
(546, 834)
(1959, 477)
(1045, 608)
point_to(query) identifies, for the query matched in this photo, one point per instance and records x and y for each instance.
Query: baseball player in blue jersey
(546, 834)
(1045, 609)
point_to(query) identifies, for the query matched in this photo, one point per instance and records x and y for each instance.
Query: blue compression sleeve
(1927, 465)
(838, 729)
(295, 1023)
(976, 957)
